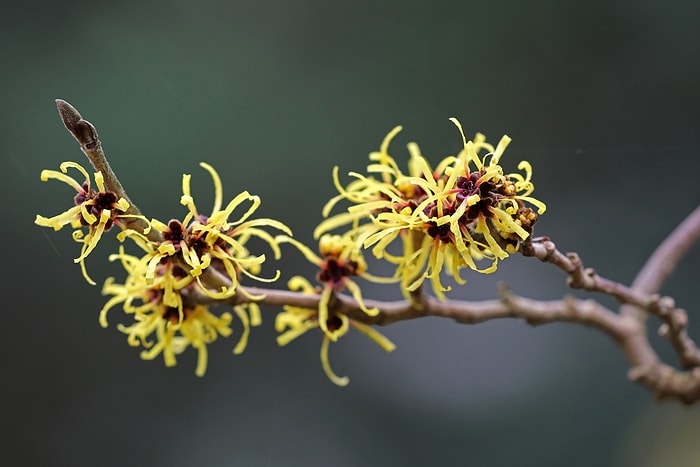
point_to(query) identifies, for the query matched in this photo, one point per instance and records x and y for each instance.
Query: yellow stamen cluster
(464, 211)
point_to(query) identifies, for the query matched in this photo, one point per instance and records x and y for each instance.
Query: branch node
(681, 317)
(638, 372)
(505, 294)
(575, 259)
(417, 299)
(665, 302)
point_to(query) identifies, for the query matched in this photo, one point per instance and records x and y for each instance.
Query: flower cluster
(211, 248)
(162, 308)
(184, 264)
(462, 212)
(465, 212)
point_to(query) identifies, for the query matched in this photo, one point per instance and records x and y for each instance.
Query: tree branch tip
(69, 114)
(82, 130)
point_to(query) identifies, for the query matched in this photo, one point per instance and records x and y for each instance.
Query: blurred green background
(603, 98)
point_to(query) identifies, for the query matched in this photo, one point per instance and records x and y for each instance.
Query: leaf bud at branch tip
(69, 114)
(82, 130)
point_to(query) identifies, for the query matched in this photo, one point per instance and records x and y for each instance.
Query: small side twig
(665, 258)
(669, 253)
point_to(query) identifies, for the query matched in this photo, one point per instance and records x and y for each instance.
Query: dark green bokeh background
(602, 97)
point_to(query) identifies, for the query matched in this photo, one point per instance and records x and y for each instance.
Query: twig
(86, 135)
(666, 257)
(668, 254)
(624, 328)
(645, 366)
(584, 278)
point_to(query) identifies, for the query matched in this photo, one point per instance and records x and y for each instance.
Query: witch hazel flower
(95, 209)
(212, 248)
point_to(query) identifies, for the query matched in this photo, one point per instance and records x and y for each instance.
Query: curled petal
(376, 336)
(243, 341)
(340, 381)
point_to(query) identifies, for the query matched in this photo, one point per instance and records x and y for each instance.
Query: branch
(586, 278)
(645, 366)
(666, 257)
(668, 254)
(86, 135)
(625, 328)
(628, 333)
(651, 277)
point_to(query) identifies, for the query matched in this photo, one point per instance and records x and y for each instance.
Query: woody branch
(626, 327)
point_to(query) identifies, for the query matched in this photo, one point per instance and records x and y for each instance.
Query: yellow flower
(339, 261)
(199, 328)
(295, 321)
(212, 244)
(451, 217)
(139, 295)
(385, 192)
(98, 210)
(164, 322)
